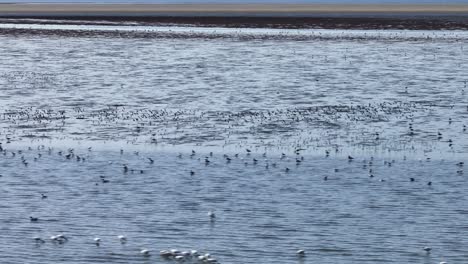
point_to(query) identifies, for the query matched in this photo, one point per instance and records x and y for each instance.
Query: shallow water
(380, 94)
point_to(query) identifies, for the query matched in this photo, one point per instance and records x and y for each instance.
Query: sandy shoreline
(228, 9)
(401, 16)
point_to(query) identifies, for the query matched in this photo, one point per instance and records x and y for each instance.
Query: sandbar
(365, 16)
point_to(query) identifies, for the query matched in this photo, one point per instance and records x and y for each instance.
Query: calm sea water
(394, 100)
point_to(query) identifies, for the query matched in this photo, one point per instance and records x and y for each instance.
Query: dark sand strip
(233, 9)
(428, 17)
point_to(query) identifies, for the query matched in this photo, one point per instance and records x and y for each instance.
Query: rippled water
(394, 100)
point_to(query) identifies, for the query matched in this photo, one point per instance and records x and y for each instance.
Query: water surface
(394, 100)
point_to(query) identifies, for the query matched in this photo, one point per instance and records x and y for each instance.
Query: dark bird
(427, 249)
(39, 240)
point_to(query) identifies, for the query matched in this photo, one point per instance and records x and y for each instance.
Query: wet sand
(199, 9)
(253, 15)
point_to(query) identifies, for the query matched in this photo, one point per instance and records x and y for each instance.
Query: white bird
(179, 258)
(442, 262)
(211, 260)
(300, 252)
(122, 238)
(97, 240)
(61, 236)
(145, 252)
(165, 253)
(174, 251)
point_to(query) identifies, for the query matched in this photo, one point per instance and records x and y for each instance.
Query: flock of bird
(166, 126)
(170, 254)
(248, 157)
(242, 34)
(304, 126)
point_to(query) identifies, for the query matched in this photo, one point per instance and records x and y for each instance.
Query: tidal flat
(245, 143)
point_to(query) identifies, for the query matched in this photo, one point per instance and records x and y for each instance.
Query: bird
(174, 252)
(60, 238)
(212, 215)
(145, 252)
(165, 254)
(427, 249)
(39, 240)
(122, 238)
(300, 253)
(211, 260)
(33, 219)
(97, 241)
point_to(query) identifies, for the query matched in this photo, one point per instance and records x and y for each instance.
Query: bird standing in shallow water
(39, 240)
(427, 249)
(212, 215)
(122, 239)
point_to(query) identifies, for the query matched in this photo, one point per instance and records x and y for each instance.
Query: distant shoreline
(342, 16)
(86, 9)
